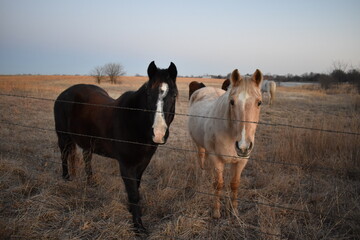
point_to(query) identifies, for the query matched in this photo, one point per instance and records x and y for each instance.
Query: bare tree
(114, 70)
(98, 73)
(339, 71)
(339, 65)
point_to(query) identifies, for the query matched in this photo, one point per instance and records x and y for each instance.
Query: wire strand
(186, 115)
(338, 171)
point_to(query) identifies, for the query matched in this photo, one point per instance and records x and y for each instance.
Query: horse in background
(193, 86)
(128, 129)
(223, 125)
(225, 84)
(269, 87)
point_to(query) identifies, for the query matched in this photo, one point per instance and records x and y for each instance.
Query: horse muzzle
(243, 150)
(160, 137)
(158, 140)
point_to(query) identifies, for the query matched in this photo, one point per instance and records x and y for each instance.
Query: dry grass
(316, 173)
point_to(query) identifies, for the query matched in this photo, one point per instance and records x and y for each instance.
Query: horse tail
(272, 91)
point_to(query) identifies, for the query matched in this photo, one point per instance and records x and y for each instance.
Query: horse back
(84, 109)
(193, 86)
(206, 93)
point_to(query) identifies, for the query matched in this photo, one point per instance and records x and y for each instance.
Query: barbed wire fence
(253, 228)
(184, 114)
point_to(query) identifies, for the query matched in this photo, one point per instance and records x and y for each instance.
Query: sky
(199, 36)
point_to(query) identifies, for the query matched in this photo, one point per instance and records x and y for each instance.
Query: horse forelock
(240, 93)
(162, 75)
(246, 85)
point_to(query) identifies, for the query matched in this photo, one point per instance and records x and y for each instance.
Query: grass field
(298, 184)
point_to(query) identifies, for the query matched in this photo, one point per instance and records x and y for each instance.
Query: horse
(193, 86)
(269, 87)
(225, 84)
(223, 125)
(128, 129)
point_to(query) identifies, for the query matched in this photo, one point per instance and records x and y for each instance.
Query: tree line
(326, 81)
(340, 73)
(110, 70)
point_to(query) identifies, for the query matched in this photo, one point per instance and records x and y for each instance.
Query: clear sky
(199, 36)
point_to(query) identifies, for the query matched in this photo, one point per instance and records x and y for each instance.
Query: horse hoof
(66, 177)
(91, 182)
(216, 214)
(140, 229)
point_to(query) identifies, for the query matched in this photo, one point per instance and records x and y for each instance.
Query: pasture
(299, 183)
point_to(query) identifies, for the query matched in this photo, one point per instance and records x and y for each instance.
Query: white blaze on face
(243, 96)
(242, 144)
(159, 126)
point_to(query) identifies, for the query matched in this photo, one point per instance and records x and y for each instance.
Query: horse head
(161, 97)
(244, 110)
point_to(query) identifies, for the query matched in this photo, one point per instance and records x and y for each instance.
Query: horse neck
(221, 110)
(136, 102)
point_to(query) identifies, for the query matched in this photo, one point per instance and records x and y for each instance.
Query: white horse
(226, 131)
(269, 87)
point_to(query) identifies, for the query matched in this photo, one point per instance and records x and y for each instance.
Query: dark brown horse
(127, 129)
(193, 86)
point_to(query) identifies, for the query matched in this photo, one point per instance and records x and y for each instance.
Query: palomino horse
(269, 87)
(222, 125)
(127, 129)
(193, 86)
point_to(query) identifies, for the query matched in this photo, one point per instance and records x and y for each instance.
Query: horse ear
(152, 69)
(235, 78)
(172, 71)
(257, 77)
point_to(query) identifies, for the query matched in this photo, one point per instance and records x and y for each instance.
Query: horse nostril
(246, 149)
(250, 146)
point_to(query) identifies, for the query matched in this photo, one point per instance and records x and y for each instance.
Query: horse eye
(232, 102)
(259, 103)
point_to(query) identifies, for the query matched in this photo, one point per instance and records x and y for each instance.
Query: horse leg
(236, 168)
(67, 149)
(271, 96)
(131, 185)
(201, 156)
(140, 170)
(218, 184)
(87, 156)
